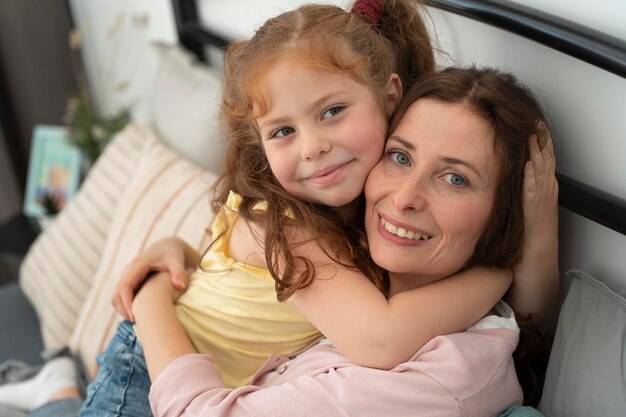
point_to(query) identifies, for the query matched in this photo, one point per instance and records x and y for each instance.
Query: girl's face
(431, 195)
(323, 133)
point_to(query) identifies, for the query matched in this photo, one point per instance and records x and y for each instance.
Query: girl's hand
(170, 254)
(157, 289)
(162, 337)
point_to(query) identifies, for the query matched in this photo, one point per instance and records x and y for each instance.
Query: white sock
(55, 375)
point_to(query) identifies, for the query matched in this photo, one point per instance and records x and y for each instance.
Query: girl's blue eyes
(283, 132)
(333, 111)
(286, 131)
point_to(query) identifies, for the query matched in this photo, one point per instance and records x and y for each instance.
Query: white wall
(239, 19)
(607, 16)
(116, 37)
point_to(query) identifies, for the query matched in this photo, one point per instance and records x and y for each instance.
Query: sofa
(153, 181)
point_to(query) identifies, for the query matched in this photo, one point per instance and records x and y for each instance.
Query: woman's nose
(313, 145)
(410, 194)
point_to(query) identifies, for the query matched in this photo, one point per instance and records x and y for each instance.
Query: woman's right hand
(171, 254)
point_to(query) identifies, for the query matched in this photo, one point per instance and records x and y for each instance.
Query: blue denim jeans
(61, 408)
(122, 385)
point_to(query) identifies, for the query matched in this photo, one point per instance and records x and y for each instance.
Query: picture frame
(54, 171)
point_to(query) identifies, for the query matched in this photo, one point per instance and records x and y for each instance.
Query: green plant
(90, 131)
(51, 202)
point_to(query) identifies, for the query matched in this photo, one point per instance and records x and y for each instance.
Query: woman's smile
(400, 233)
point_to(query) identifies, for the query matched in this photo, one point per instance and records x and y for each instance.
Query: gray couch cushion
(19, 326)
(587, 368)
(11, 412)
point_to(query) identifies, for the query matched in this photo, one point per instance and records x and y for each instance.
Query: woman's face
(431, 195)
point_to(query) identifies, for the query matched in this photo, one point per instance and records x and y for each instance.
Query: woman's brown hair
(514, 114)
(331, 39)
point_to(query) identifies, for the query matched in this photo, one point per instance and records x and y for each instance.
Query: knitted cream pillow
(57, 271)
(167, 196)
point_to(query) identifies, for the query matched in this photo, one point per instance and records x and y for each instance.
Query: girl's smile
(327, 176)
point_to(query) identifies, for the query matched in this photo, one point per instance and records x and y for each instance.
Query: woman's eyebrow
(455, 161)
(403, 142)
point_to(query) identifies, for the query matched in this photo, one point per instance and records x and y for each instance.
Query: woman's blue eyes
(455, 179)
(399, 158)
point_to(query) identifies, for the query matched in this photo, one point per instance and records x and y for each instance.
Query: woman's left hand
(536, 278)
(541, 192)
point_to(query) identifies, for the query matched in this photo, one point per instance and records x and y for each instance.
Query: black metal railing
(191, 34)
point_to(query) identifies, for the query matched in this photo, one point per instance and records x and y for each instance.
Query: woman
(452, 171)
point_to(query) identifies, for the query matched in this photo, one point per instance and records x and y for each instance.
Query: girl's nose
(313, 145)
(409, 194)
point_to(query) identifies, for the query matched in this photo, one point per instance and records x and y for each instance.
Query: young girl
(306, 103)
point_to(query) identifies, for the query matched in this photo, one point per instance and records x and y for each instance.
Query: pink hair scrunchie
(369, 10)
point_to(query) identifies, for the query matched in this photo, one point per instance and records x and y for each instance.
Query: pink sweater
(463, 374)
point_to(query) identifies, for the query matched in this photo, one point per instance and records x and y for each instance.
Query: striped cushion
(60, 265)
(167, 196)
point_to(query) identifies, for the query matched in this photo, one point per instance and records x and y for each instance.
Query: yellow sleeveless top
(230, 311)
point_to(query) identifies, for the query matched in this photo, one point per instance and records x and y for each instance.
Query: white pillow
(187, 96)
(586, 373)
(57, 271)
(167, 196)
